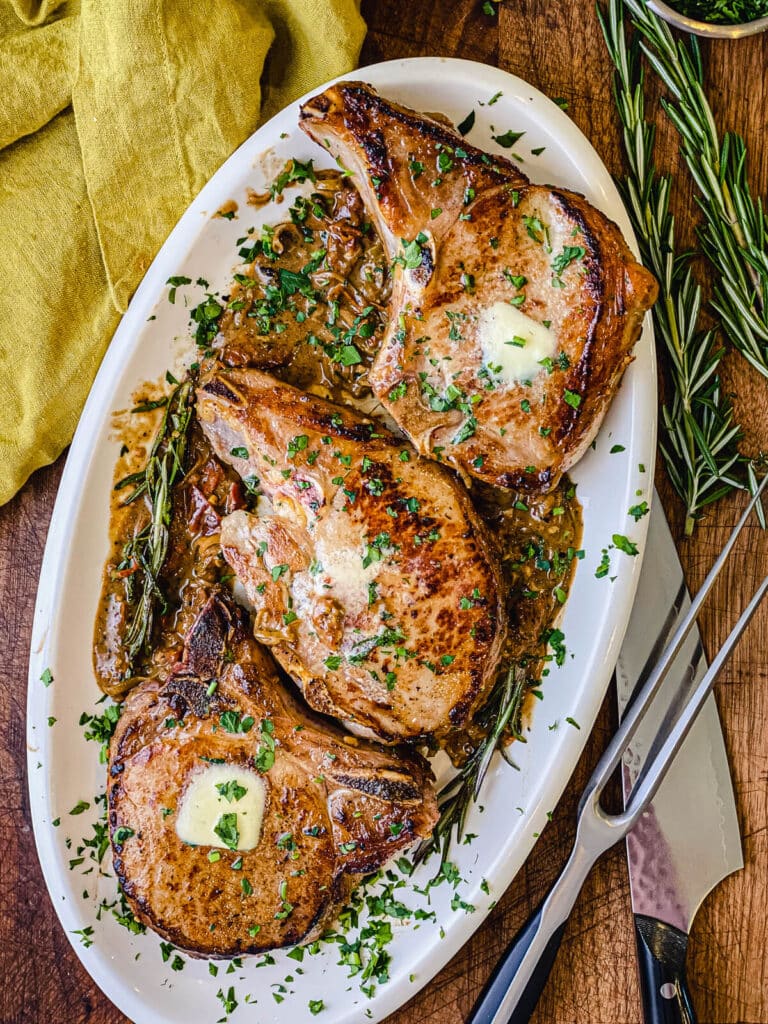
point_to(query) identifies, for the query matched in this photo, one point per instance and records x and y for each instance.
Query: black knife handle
(661, 953)
(485, 1009)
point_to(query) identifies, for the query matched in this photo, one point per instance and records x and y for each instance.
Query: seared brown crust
(389, 606)
(382, 140)
(336, 807)
(488, 219)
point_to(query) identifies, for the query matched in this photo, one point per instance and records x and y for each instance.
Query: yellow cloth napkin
(113, 115)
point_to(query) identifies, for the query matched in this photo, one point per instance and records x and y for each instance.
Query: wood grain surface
(558, 47)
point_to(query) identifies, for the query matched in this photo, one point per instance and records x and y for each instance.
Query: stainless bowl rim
(705, 28)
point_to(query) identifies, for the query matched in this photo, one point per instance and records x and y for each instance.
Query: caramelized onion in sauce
(322, 339)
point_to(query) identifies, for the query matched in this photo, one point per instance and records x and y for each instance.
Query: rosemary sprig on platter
(145, 553)
(699, 434)
(500, 716)
(733, 235)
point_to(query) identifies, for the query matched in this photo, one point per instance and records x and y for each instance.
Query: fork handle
(661, 953)
(488, 1008)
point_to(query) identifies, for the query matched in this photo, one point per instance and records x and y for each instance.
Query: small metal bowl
(705, 28)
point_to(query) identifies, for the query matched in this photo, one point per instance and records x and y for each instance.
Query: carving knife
(688, 840)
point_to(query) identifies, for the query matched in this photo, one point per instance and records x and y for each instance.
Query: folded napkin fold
(113, 116)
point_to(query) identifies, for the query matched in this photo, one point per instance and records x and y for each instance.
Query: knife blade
(688, 840)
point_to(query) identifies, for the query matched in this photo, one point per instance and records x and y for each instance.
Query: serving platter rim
(638, 394)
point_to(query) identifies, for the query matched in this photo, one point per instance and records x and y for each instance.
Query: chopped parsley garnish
(624, 544)
(375, 550)
(297, 444)
(466, 431)
(411, 257)
(176, 282)
(265, 757)
(518, 280)
(228, 1000)
(232, 722)
(206, 315)
(508, 139)
(556, 640)
(231, 791)
(227, 831)
(638, 511)
(287, 908)
(535, 229)
(465, 127)
(605, 565)
(85, 935)
(564, 259)
(297, 172)
(361, 650)
(101, 727)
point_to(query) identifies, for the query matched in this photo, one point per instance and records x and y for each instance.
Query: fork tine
(653, 773)
(615, 750)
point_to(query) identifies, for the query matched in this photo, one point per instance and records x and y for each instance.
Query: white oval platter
(64, 769)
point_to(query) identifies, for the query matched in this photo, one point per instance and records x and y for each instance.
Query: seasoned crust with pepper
(373, 578)
(485, 264)
(335, 807)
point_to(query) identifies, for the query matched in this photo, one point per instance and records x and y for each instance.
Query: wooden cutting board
(556, 46)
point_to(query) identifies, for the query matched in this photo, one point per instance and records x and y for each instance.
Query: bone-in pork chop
(514, 306)
(373, 578)
(239, 821)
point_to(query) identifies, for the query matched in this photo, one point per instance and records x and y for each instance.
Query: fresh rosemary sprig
(699, 435)
(500, 716)
(733, 235)
(145, 553)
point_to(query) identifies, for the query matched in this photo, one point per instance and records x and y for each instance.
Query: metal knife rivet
(667, 991)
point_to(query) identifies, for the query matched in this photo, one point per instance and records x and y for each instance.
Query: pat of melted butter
(343, 576)
(513, 344)
(202, 806)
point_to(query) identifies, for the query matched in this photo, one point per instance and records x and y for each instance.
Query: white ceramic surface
(64, 769)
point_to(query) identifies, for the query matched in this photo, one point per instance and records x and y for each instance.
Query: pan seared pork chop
(284, 810)
(514, 306)
(373, 579)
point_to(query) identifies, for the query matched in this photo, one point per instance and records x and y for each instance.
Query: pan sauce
(310, 308)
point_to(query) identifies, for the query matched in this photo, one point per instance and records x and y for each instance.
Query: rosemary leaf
(501, 717)
(733, 234)
(699, 435)
(146, 551)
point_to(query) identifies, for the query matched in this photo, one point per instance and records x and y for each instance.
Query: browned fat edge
(578, 376)
(360, 101)
(217, 387)
(517, 480)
